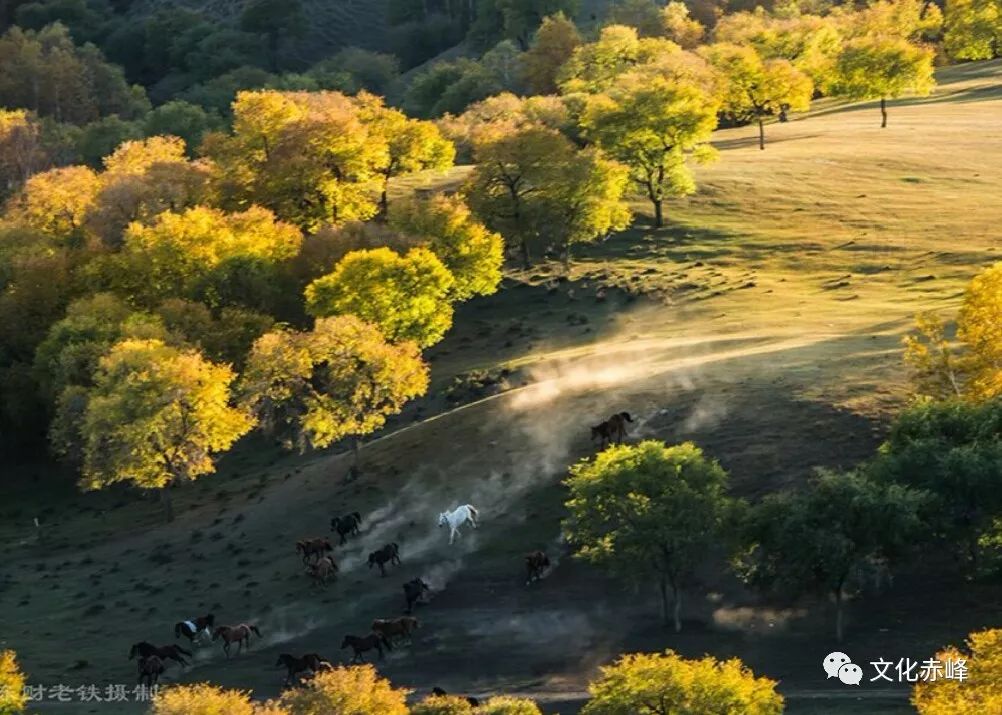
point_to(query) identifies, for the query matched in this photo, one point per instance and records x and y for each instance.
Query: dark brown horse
(388, 554)
(612, 431)
(393, 627)
(164, 653)
(414, 592)
(360, 645)
(346, 525)
(317, 547)
(536, 564)
(439, 693)
(150, 670)
(191, 629)
(311, 662)
(239, 634)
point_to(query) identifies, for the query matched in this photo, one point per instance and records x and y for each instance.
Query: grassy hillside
(764, 323)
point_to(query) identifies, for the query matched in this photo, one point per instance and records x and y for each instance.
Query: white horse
(457, 517)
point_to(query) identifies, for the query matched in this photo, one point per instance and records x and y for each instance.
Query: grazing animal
(311, 662)
(195, 628)
(437, 691)
(309, 548)
(390, 628)
(346, 525)
(536, 564)
(322, 571)
(388, 554)
(360, 645)
(414, 591)
(164, 653)
(613, 430)
(456, 518)
(235, 634)
(150, 670)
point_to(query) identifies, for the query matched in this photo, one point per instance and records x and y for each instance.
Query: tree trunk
(567, 257)
(664, 599)
(838, 615)
(384, 201)
(355, 447)
(883, 112)
(659, 220)
(761, 134)
(677, 608)
(524, 248)
(165, 499)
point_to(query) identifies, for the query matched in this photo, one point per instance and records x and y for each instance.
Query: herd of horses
(317, 555)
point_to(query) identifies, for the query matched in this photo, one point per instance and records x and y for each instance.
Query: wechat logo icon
(839, 665)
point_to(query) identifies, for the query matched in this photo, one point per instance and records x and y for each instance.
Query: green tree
(180, 119)
(405, 296)
(472, 253)
(666, 684)
(155, 417)
(883, 68)
(756, 89)
(953, 450)
(340, 380)
(552, 46)
(520, 18)
(643, 15)
(597, 66)
(654, 126)
(273, 19)
(973, 29)
(823, 539)
(679, 27)
(12, 682)
(355, 690)
(648, 512)
(980, 692)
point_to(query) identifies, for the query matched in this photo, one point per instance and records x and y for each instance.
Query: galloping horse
(360, 645)
(322, 571)
(456, 518)
(150, 670)
(193, 629)
(171, 652)
(390, 628)
(414, 591)
(536, 564)
(239, 634)
(346, 525)
(613, 430)
(309, 548)
(388, 554)
(309, 662)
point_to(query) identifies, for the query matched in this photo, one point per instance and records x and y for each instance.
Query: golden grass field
(764, 323)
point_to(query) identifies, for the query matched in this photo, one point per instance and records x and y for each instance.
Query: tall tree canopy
(648, 512)
(973, 29)
(654, 126)
(341, 379)
(155, 417)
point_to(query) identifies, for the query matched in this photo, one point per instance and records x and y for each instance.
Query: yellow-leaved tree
(979, 692)
(665, 684)
(342, 379)
(207, 699)
(970, 368)
(406, 296)
(155, 417)
(355, 690)
(12, 697)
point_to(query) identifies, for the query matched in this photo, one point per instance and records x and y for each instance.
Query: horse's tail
(473, 510)
(358, 517)
(626, 416)
(177, 630)
(256, 631)
(182, 651)
(386, 641)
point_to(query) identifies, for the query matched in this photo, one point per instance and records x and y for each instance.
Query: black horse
(346, 525)
(311, 662)
(414, 591)
(164, 653)
(360, 645)
(388, 554)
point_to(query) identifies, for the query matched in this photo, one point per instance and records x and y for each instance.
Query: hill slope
(764, 324)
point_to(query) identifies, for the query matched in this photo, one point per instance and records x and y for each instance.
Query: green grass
(764, 323)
